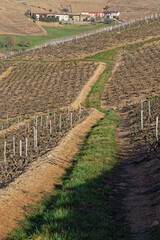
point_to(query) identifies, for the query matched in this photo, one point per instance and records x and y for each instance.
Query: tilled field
(37, 137)
(139, 172)
(136, 77)
(99, 42)
(34, 87)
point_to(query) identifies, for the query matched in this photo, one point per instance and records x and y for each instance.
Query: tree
(27, 13)
(106, 7)
(10, 41)
(50, 10)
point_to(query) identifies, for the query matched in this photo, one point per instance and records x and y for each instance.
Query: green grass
(52, 33)
(108, 57)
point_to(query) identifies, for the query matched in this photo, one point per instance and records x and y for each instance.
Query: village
(81, 17)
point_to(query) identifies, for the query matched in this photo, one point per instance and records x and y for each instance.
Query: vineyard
(34, 87)
(140, 144)
(38, 91)
(33, 139)
(136, 77)
(98, 42)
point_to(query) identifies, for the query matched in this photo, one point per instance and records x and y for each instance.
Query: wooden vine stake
(7, 119)
(14, 148)
(157, 129)
(28, 126)
(18, 123)
(141, 119)
(26, 147)
(41, 121)
(20, 149)
(47, 122)
(71, 119)
(35, 138)
(50, 126)
(54, 118)
(149, 108)
(36, 122)
(5, 162)
(141, 104)
(60, 123)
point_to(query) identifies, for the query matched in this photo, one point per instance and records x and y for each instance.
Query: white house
(111, 14)
(92, 14)
(62, 16)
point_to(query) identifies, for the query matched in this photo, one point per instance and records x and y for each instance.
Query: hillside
(79, 131)
(13, 20)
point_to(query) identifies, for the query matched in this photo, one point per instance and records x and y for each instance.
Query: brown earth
(41, 177)
(137, 181)
(136, 176)
(13, 20)
(135, 77)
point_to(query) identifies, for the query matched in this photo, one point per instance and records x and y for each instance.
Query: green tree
(9, 41)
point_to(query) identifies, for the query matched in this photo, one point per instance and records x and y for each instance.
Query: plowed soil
(137, 186)
(135, 77)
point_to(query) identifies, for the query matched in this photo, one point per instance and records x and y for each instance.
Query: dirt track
(137, 181)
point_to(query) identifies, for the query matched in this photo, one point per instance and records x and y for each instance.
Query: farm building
(62, 16)
(43, 15)
(88, 15)
(76, 17)
(111, 14)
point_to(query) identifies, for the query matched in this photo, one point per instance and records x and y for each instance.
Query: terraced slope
(99, 42)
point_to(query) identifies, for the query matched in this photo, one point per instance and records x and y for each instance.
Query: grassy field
(52, 33)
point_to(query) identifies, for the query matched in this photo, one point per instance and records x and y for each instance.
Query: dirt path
(80, 100)
(6, 73)
(138, 182)
(41, 176)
